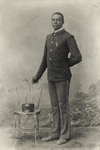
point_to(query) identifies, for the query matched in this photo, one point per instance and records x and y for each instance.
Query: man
(57, 47)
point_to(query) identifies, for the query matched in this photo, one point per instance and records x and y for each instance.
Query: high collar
(58, 32)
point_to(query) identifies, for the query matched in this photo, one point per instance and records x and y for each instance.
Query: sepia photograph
(49, 74)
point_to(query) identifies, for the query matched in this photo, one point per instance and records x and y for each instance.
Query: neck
(58, 29)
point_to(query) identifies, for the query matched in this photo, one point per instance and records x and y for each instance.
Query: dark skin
(57, 23)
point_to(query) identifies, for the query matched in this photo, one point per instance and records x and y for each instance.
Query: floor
(82, 139)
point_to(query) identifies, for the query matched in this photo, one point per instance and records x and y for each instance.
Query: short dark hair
(59, 14)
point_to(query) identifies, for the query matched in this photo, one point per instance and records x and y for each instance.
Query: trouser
(59, 92)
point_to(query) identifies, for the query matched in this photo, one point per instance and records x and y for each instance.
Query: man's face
(57, 21)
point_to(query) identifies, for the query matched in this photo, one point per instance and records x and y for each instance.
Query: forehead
(56, 16)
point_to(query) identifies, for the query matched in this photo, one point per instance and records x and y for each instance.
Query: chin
(56, 28)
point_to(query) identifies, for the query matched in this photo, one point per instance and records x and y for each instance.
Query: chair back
(29, 94)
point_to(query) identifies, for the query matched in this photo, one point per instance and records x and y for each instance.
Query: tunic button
(50, 58)
(51, 41)
(50, 49)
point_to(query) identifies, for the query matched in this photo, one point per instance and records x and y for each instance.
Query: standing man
(57, 47)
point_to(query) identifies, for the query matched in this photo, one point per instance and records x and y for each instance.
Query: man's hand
(35, 79)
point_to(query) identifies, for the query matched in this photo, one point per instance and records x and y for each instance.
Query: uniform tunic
(55, 59)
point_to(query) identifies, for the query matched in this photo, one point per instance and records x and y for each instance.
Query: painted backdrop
(24, 26)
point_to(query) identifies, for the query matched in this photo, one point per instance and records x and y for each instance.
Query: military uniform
(57, 47)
